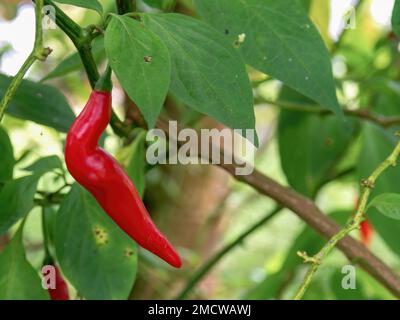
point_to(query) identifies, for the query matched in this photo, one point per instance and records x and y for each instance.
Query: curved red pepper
(61, 290)
(103, 177)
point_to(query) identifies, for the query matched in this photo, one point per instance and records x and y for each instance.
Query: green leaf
(74, 63)
(311, 146)
(88, 4)
(278, 38)
(378, 144)
(16, 200)
(39, 103)
(387, 204)
(396, 18)
(18, 279)
(141, 62)
(136, 167)
(45, 164)
(207, 74)
(95, 255)
(165, 5)
(7, 156)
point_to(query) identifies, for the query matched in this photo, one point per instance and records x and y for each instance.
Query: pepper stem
(105, 83)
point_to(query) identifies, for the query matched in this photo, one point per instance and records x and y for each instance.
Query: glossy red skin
(61, 290)
(366, 232)
(104, 178)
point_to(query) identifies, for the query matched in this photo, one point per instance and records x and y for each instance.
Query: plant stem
(383, 121)
(82, 38)
(205, 269)
(38, 53)
(353, 224)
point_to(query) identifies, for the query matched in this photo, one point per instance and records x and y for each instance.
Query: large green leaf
(207, 74)
(7, 156)
(141, 62)
(377, 145)
(16, 200)
(18, 280)
(74, 63)
(278, 38)
(88, 4)
(396, 18)
(165, 5)
(311, 146)
(39, 103)
(96, 256)
(387, 204)
(45, 164)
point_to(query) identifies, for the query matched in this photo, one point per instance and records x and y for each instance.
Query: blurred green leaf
(141, 62)
(378, 144)
(387, 204)
(207, 74)
(88, 4)
(396, 18)
(45, 164)
(340, 293)
(18, 280)
(16, 200)
(7, 156)
(311, 146)
(96, 256)
(165, 5)
(136, 167)
(39, 103)
(277, 38)
(74, 63)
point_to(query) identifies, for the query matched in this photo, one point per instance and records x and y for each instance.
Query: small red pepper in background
(104, 178)
(61, 290)
(366, 232)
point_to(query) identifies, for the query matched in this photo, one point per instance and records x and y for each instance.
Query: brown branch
(306, 210)
(364, 113)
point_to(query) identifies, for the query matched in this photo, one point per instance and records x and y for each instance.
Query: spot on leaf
(101, 236)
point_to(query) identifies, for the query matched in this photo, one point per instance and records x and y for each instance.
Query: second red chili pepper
(104, 178)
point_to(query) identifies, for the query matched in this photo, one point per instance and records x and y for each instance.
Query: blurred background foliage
(199, 207)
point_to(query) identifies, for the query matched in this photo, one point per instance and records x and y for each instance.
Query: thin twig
(353, 224)
(38, 53)
(199, 274)
(383, 121)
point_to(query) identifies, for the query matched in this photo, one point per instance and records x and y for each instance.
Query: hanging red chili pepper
(366, 232)
(104, 178)
(366, 229)
(60, 292)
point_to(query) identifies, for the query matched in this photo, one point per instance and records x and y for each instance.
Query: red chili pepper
(366, 232)
(61, 290)
(104, 178)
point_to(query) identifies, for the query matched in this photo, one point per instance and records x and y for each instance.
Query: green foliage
(396, 18)
(89, 4)
(207, 74)
(96, 256)
(73, 62)
(387, 204)
(324, 141)
(136, 167)
(18, 280)
(39, 103)
(16, 200)
(278, 38)
(45, 164)
(377, 145)
(7, 156)
(165, 5)
(141, 62)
